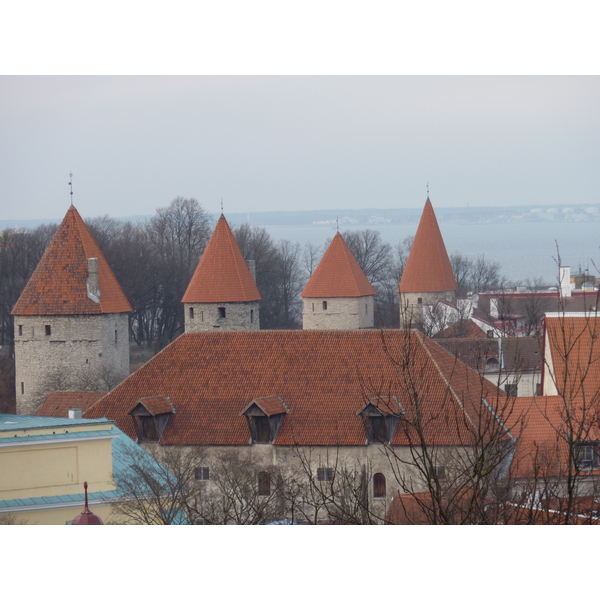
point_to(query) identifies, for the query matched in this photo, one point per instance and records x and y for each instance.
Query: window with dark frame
(48, 330)
(263, 430)
(251, 315)
(379, 486)
(586, 456)
(419, 300)
(221, 312)
(191, 312)
(116, 337)
(324, 304)
(511, 389)
(202, 474)
(325, 473)
(20, 329)
(437, 472)
(22, 387)
(264, 483)
(379, 429)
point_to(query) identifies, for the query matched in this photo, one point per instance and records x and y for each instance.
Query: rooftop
(222, 274)
(59, 285)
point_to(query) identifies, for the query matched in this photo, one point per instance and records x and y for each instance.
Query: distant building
(222, 293)
(71, 317)
(338, 295)
(428, 274)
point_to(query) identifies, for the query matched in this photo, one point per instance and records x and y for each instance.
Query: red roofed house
(428, 275)
(321, 403)
(338, 295)
(222, 293)
(71, 317)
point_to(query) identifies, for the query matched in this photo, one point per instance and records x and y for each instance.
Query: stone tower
(428, 274)
(338, 295)
(222, 293)
(71, 321)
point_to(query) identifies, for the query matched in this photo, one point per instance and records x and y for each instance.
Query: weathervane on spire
(71, 186)
(337, 222)
(428, 189)
(221, 205)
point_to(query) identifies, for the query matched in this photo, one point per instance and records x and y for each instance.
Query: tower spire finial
(428, 190)
(221, 205)
(71, 187)
(337, 222)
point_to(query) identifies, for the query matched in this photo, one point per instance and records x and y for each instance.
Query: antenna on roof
(71, 186)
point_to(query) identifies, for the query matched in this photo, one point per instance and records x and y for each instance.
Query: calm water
(525, 250)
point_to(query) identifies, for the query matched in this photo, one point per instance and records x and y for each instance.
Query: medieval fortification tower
(222, 293)
(428, 274)
(338, 295)
(71, 320)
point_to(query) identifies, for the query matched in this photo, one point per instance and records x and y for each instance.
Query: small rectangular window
(324, 304)
(586, 456)
(221, 312)
(202, 316)
(437, 472)
(202, 474)
(251, 315)
(116, 336)
(191, 312)
(325, 473)
(20, 329)
(264, 483)
(48, 330)
(366, 309)
(22, 387)
(419, 300)
(313, 307)
(511, 389)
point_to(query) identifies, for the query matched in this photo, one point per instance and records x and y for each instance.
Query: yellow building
(45, 460)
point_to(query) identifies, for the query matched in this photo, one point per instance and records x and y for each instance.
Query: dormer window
(380, 417)
(264, 417)
(150, 417)
(586, 456)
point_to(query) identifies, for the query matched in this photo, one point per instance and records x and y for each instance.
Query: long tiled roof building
(222, 293)
(71, 317)
(338, 295)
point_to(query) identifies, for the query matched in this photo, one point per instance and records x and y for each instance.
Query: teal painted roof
(57, 436)
(24, 422)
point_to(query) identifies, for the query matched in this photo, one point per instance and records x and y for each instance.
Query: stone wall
(338, 313)
(411, 305)
(207, 317)
(55, 350)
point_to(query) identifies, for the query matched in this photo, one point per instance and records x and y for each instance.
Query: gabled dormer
(150, 417)
(380, 416)
(264, 417)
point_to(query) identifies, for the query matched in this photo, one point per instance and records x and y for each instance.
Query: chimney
(75, 413)
(252, 266)
(565, 282)
(92, 281)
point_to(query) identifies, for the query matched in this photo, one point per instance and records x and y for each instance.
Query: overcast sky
(287, 143)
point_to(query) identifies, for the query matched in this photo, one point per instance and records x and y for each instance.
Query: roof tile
(428, 267)
(338, 275)
(58, 286)
(222, 274)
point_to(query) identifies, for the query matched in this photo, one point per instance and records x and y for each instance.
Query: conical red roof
(58, 286)
(222, 274)
(428, 266)
(338, 275)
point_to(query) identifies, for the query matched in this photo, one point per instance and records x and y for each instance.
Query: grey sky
(276, 143)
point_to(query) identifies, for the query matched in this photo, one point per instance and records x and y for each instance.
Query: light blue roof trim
(24, 422)
(54, 438)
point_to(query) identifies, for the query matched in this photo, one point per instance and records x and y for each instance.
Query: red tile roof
(270, 406)
(324, 378)
(58, 286)
(222, 274)
(157, 405)
(574, 344)
(465, 328)
(428, 266)
(541, 425)
(57, 404)
(338, 275)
